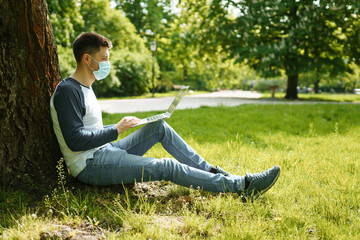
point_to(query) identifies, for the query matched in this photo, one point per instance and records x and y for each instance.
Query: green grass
(335, 97)
(316, 197)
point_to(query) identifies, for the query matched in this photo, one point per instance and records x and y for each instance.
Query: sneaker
(259, 183)
(217, 169)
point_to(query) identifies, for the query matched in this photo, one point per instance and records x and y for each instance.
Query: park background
(212, 45)
(209, 45)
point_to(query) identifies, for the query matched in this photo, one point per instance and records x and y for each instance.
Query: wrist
(118, 128)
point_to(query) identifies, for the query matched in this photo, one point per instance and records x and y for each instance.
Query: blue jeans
(123, 162)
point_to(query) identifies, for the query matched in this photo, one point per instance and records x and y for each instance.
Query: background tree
(152, 20)
(203, 65)
(199, 41)
(101, 18)
(29, 73)
(295, 36)
(98, 16)
(150, 17)
(181, 49)
(66, 20)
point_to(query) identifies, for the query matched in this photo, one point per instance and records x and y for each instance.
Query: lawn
(316, 197)
(332, 97)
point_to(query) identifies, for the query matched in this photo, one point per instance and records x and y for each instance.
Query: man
(94, 158)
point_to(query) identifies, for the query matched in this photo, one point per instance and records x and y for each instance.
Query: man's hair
(89, 43)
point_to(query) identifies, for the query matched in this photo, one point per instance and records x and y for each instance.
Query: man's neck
(83, 76)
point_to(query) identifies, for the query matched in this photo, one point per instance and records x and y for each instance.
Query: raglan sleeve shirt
(76, 112)
(70, 104)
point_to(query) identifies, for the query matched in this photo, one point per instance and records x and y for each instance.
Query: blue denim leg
(139, 142)
(112, 165)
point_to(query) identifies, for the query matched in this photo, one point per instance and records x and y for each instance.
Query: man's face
(100, 56)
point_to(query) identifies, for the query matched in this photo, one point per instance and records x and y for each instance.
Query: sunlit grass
(335, 97)
(316, 197)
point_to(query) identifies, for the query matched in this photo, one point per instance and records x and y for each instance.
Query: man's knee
(163, 163)
(162, 168)
(160, 127)
(160, 124)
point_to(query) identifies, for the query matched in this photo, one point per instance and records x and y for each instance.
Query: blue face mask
(103, 71)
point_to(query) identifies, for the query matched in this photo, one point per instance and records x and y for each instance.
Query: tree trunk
(184, 74)
(29, 73)
(316, 86)
(317, 82)
(291, 91)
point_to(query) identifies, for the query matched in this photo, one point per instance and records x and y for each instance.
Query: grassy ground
(316, 197)
(335, 97)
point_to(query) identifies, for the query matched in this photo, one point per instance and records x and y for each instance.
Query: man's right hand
(126, 123)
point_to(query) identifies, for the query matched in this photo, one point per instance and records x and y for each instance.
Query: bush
(338, 88)
(166, 81)
(130, 73)
(108, 87)
(66, 61)
(134, 71)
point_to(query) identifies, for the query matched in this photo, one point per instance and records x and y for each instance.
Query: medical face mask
(103, 71)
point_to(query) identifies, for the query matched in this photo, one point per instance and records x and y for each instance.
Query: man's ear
(85, 58)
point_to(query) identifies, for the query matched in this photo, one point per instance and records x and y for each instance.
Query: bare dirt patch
(83, 231)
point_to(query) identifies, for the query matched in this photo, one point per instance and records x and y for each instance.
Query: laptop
(170, 110)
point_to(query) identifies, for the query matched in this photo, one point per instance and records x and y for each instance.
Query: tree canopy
(275, 38)
(293, 36)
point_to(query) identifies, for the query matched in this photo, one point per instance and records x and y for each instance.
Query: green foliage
(110, 86)
(344, 82)
(100, 18)
(295, 36)
(131, 60)
(150, 17)
(179, 45)
(197, 46)
(200, 69)
(130, 75)
(67, 61)
(349, 80)
(134, 70)
(66, 20)
(166, 81)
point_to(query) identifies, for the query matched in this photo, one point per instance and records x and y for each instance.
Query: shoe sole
(254, 197)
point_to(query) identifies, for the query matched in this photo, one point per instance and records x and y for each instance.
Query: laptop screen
(177, 99)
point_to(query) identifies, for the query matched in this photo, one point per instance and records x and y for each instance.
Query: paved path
(226, 98)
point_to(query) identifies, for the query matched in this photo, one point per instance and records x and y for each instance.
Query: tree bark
(291, 91)
(317, 82)
(316, 86)
(184, 74)
(29, 72)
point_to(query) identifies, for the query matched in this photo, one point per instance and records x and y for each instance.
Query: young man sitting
(94, 158)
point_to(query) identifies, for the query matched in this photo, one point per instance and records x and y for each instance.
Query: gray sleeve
(70, 107)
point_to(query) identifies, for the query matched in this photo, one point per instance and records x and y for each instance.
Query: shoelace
(259, 175)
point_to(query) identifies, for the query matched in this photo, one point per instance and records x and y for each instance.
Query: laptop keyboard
(156, 117)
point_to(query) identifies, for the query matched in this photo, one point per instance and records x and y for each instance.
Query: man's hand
(126, 123)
